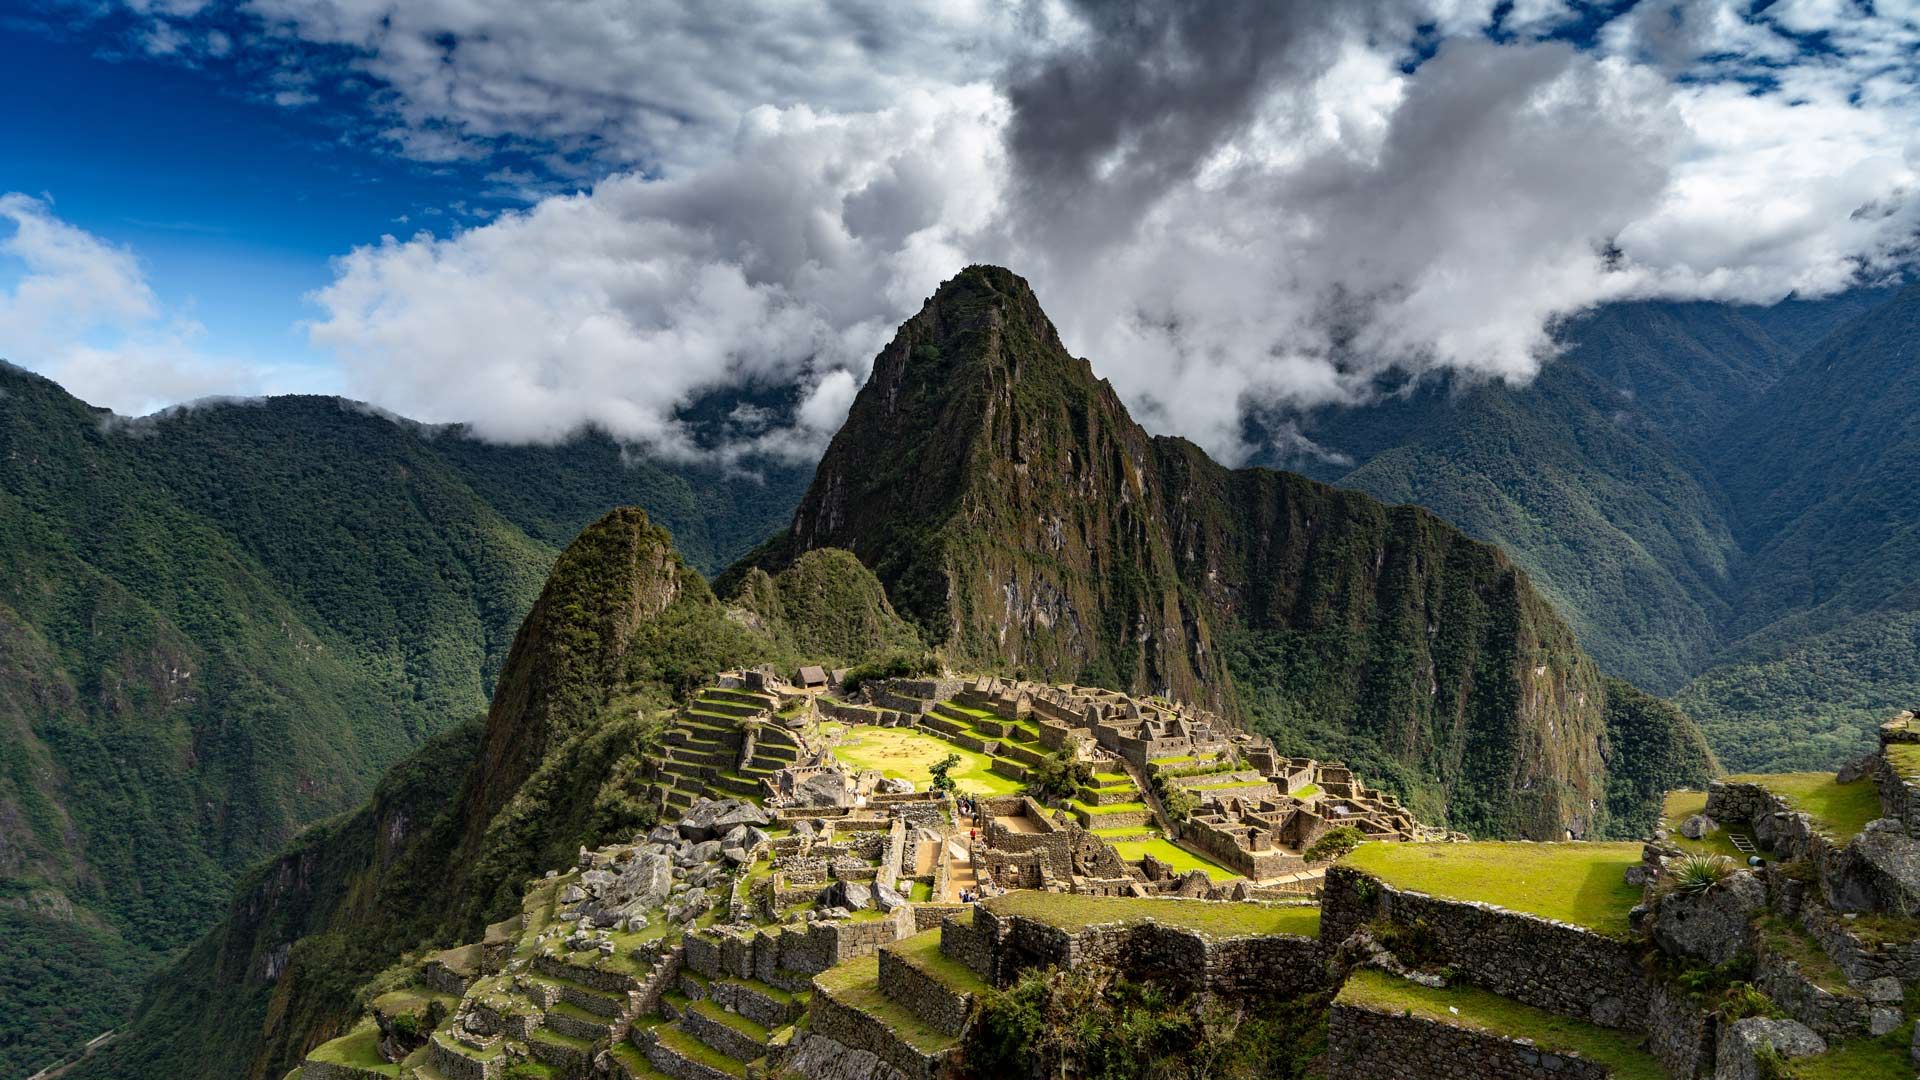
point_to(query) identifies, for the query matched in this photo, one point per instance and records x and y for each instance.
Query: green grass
(1884, 1058)
(1110, 808)
(1579, 883)
(694, 1050)
(741, 1024)
(907, 754)
(1784, 937)
(1125, 830)
(856, 984)
(1681, 805)
(922, 950)
(1843, 809)
(1072, 912)
(1478, 1010)
(1307, 791)
(1905, 758)
(920, 892)
(634, 1062)
(1174, 855)
(360, 1050)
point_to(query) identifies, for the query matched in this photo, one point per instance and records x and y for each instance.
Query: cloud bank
(1225, 204)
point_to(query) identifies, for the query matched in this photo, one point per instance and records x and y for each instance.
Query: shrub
(898, 664)
(1059, 776)
(1698, 873)
(1333, 843)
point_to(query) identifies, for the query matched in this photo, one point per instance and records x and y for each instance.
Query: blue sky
(233, 203)
(534, 215)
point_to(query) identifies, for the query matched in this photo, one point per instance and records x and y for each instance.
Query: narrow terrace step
(575, 1022)
(571, 1055)
(629, 1063)
(768, 1006)
(677, 1053)
(730, 1033)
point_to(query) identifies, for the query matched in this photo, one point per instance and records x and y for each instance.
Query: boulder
(664, 834)
(887, 899)
(828, 788)
(1712, 925)
(1858, 769)
(1880, 871)
(1697, 826)
(851, 895)
(699, 822)
(735, 837)
(756, 837)
(704, 851)
(894, 785)
(735, 856)
(744, 813)
(1735, 1057)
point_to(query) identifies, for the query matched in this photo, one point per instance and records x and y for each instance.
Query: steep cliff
(1019, 516)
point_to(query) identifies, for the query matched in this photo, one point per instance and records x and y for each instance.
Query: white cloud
(1224, 203)
(788, 261)
(82, 313)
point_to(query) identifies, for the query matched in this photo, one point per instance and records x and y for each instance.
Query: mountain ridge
(1021, 518)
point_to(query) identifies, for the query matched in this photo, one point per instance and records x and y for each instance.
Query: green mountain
(1825, 470)
(455, 832)
(224, 623)
(1025, 523)
(1714, 497)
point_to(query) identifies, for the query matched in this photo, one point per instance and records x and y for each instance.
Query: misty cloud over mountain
(1225, 205)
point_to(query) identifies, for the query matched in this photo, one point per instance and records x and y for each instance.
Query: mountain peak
(1028, 525)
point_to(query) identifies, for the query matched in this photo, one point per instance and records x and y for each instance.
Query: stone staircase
(715, 1023)
(702, 753)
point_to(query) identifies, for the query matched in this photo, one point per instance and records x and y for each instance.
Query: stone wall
(1224, 848)
(1680, 1034)
(327, 1070)
(944, 1009)
(1267, 965)
(972, 945)
(787, 956)
(1366, 1045)
(860, 1032)
(1554, 966)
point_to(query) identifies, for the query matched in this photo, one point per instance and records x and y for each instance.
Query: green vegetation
(1071, 912)
(1578, 883)
(898, 664)
(1478, 1010)
(911, 753)
(922, 950)
(64, 981)
(1334, 843)
(1173, 855)
(1884, 1058)
(1091, 1022)
(1337, 600)
(1842, 809)
(360, 1050)
(939, 773)
(1058, 776)
(455, 832)
(856, 983)
(1698, 873)
(1681, 805)
(222, 623)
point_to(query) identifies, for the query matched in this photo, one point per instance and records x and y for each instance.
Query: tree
(1058, 776)
(1333, 843)
(940, 769)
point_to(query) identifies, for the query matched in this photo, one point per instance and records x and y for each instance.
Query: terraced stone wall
(860, 1033)
(943, 1008)
(1554, 966)
(1363, 1044)
(1272, 965)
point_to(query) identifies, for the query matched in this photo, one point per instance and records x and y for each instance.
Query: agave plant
(1698, 873)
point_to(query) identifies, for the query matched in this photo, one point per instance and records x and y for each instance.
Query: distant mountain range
(223, 623)
(1721, 500)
